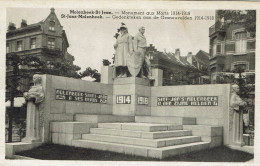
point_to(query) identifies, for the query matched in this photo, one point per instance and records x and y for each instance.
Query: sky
(91, 40)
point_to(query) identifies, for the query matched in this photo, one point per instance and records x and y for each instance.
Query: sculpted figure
(140, 47)
(33, 97)
(237, 126)
(36, 92)
(124, 49)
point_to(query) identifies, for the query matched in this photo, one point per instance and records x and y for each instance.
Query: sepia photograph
(130, 84)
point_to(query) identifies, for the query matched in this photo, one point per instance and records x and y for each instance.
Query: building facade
(46, 39)
(179, 70)
(231, 46)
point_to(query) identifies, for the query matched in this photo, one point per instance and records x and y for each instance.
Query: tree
(246, 88)
(21, 68)
(106, 62)
(93, 73)
(189, 76)
(64, 68)
(13, 80)
(246, 17)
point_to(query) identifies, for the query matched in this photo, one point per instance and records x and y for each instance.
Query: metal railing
(216, 27)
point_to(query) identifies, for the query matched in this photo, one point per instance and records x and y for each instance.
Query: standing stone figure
(33, 97)
(140, 47)
(237, 126)
(124, 49)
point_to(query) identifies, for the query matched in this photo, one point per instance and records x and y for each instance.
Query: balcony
(52, 51)
(217, 27)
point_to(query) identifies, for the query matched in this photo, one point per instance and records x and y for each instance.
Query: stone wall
(62, 110)
(205, 115)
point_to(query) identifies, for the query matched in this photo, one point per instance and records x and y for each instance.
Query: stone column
(157, 74)
(32, 123)
(107, 75)
(238, 128)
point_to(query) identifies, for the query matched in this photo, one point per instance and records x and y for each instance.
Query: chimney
(52, 10)
(177, 53)
(11, 26)
(189, 57)
(23, 23)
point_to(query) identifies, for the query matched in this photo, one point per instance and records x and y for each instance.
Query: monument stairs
(129, 116)
(155, 137)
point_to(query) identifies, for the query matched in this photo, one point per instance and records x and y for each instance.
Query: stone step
(140, 141)
(159, 153)
(141, 134)
(103, 118)
(140, 126)
(164, 119)
(72, 127)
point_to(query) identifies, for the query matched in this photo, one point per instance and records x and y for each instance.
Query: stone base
(149, 139)
(132, 80)
(31, 140)
(246, 139)
(64, 132)
(12, 148)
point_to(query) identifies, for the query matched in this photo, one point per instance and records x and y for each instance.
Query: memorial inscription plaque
(188, 101)
(142, 100)
(80, 96)
(123, 99)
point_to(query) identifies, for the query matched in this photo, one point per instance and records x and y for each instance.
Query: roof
(202, 57)
(170, 57)
(31, 26)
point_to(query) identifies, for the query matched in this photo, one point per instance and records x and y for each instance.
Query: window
(51, 43)
(7, 48)
(150, 56)
(33, 43)
(52, 26)
(241, 42)
(214, 50)
(19, 46)
(49, 65)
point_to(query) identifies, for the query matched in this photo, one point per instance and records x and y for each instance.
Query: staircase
(141, 139)
(142, 136)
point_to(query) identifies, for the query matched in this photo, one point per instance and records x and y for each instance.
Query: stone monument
(237, 114)
(124, 49)
(139, 44)
(33, 97)
(130, 57)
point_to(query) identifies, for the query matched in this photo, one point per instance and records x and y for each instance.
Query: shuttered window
(7, 48)
(241, 42)
(33, 43)
(51, 43)
(19, 46)
(52, 25)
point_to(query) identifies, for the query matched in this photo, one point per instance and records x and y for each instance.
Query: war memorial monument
(129, 111)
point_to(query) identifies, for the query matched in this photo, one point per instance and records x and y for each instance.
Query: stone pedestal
(157, 74)
(32, 124)
(126, 93)
(107, 75)
(238, 128)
